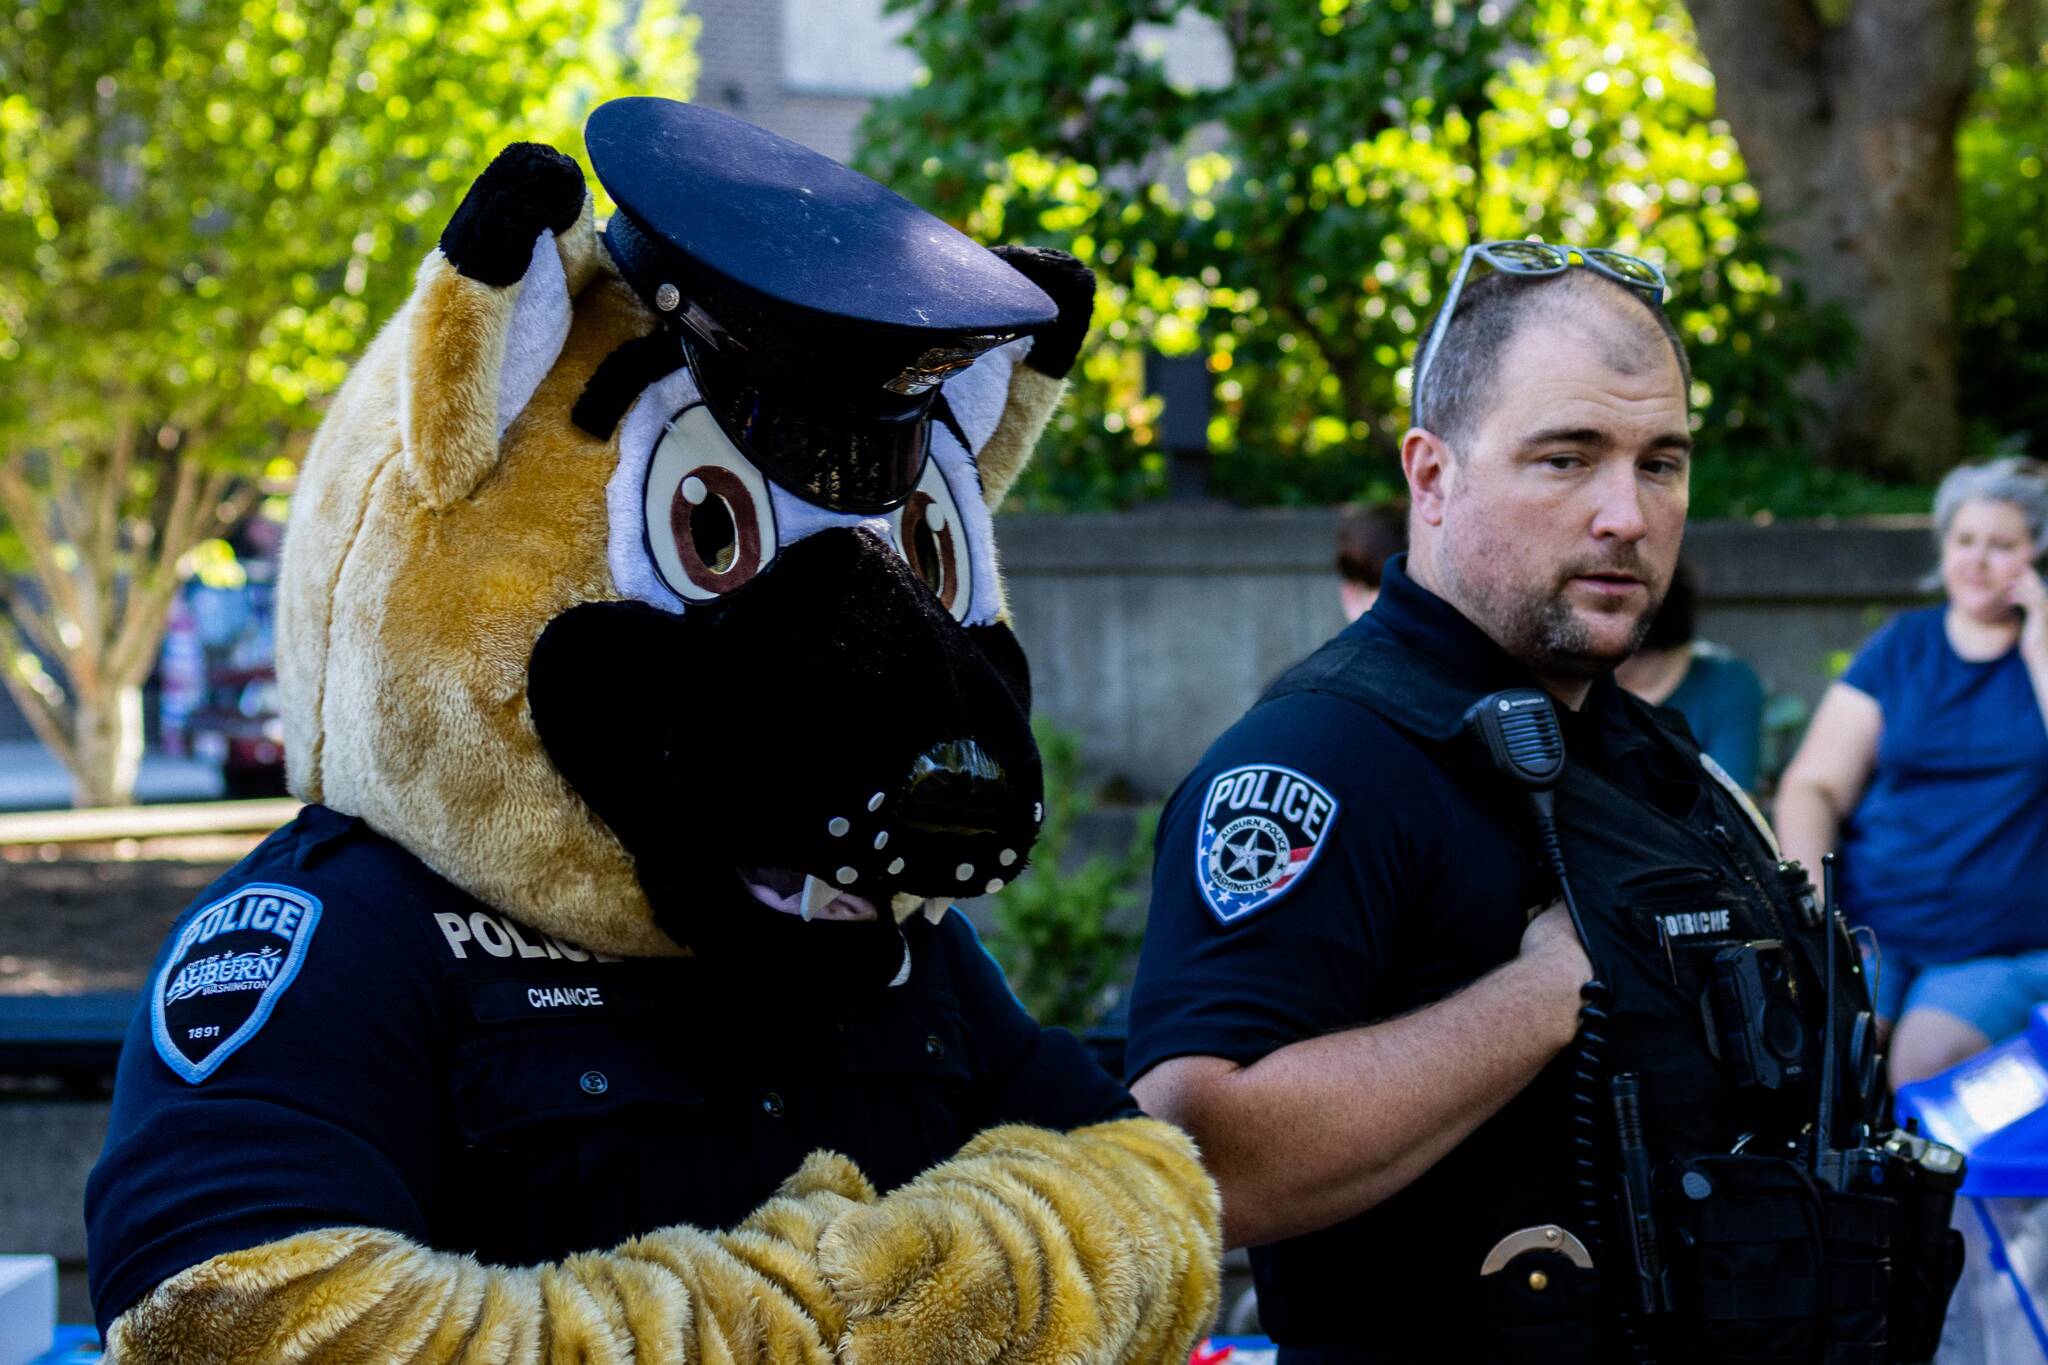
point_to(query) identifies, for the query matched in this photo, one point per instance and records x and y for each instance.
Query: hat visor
(847, 452)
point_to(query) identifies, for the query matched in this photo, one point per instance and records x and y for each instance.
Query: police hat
(819, 311)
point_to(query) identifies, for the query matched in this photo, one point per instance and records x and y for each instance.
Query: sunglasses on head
(1531, 260)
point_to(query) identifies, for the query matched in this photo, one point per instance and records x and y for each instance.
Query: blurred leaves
(206, 209)
(1065, 932)
(1295, 220)
(2002, 274)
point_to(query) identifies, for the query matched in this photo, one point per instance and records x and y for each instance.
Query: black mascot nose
(830, 720)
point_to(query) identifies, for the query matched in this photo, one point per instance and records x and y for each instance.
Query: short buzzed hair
(1457, 390)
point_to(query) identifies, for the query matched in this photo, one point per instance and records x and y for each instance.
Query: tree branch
(196, 493)
(217, 506)
(45, 712)
(104, 549)
(41, 631)
(19, 505)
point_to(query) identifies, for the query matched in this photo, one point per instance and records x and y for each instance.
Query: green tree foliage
(1296, 222)
(205, 210)
(2002, 279)
(1065, 932)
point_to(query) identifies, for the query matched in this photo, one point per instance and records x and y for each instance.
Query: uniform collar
(1413, 616)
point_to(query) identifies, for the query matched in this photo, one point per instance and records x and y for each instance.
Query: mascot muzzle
(829, 742)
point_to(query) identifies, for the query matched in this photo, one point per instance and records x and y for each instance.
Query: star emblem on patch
(1262, 826)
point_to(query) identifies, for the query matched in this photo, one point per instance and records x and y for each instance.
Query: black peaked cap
(824, 288)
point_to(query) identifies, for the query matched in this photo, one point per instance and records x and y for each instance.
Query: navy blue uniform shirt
(336, 1035)
(1269, 926)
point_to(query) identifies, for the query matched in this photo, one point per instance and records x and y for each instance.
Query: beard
(1535, 623)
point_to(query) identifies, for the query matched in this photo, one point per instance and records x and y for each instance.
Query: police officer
(1397, 1060)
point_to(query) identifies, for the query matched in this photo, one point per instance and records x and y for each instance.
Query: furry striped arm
(1033, 1246)
(676, 1296)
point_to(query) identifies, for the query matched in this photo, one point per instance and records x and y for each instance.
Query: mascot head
(641, 581)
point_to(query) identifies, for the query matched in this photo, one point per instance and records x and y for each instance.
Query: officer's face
(1557, 521)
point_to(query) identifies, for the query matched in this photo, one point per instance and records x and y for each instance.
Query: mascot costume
(647, 674)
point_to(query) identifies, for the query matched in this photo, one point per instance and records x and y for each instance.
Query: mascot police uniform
(646, 668)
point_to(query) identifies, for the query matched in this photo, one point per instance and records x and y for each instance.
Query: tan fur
(1029, 1248)
(1033, 396)
(448, 386)
(1032, 1246)
(406, 629)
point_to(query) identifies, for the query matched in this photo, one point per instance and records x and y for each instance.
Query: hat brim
(849, 454)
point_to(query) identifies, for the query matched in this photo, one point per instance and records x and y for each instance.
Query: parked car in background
(238, 727)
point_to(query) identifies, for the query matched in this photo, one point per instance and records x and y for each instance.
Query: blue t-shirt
(1723, 704)
(1946, 856)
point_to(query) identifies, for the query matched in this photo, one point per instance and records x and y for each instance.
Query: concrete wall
(744, 71)
(1150, 632)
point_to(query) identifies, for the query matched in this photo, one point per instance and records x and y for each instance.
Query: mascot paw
(925, 1278)
(528, 189)
(1071, 286)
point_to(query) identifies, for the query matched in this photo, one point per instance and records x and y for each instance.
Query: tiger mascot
(647, 675)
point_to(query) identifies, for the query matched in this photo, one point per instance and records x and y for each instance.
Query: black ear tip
(1056, 272)
(1071, 286)
(527, 187)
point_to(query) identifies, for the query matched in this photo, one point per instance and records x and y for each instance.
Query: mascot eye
(710, 522)
(934, 540)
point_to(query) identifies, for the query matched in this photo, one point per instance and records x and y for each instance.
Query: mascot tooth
(646, 672)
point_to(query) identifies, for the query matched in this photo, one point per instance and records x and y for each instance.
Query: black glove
(1071, 287)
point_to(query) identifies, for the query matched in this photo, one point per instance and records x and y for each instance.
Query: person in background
(1719, 695)
(1367, 537)
(1927, 767)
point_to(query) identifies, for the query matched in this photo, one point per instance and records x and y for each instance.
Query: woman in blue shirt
(1927, 768)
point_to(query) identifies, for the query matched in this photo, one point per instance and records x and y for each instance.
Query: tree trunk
(106, 739)
(106, 568)
(1849, 134)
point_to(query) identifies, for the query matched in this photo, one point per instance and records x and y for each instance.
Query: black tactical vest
(1712, 956)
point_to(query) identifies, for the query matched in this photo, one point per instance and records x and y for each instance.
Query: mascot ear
(489, 314)
(1037, 382)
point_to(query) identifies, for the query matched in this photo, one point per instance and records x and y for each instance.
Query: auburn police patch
(1262, 826)
(225, 973)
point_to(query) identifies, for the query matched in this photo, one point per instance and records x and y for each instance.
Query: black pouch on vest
(1927, 1255)
(1746, 1262)
(1856, 1278)
(1541, 1309)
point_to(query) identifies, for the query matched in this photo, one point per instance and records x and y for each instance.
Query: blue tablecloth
(74, 1345)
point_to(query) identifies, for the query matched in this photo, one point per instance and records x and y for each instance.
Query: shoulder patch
(225, 973)
(1262, 826)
